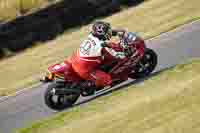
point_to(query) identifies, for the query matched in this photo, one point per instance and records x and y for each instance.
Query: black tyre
(146, 65)
(61, 101)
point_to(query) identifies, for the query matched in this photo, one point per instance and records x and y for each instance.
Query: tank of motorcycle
(122, 68)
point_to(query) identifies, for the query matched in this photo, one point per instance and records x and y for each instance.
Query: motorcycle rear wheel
(146, 65)
(59, 101)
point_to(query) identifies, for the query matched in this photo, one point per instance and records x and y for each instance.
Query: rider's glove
(114, 33)
(105, 45)
(128, 52)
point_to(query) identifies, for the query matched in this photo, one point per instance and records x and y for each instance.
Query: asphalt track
(172, 48)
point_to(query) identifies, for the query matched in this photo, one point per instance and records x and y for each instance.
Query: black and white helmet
(102, 30)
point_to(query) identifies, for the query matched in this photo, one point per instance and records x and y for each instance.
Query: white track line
(170, 31)
(3, 98)
(175, 29)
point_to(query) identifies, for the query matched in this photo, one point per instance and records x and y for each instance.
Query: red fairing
(140, 46)
(64, 69)
(84, 64)
(115, 46)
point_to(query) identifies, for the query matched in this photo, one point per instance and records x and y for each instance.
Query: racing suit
(89, 57)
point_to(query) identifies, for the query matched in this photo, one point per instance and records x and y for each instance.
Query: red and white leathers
(89, 57)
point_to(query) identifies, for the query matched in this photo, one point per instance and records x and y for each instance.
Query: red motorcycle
(65, 87)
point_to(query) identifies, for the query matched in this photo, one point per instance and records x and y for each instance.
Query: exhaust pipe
(66, 91)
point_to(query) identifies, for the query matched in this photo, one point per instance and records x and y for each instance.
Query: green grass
(148, 19)
(10, 9)
(166, 103)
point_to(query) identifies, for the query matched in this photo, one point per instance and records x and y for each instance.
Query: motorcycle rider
(89, 56)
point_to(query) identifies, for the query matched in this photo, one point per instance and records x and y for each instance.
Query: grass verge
(10, 9)
(166, 103)
(148, 19)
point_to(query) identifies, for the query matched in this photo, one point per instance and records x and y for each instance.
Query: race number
(85, 47)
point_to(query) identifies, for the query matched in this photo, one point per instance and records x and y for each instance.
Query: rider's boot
(88, 88)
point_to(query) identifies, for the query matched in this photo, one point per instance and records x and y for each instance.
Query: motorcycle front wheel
(146, 65)
(59, 101)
